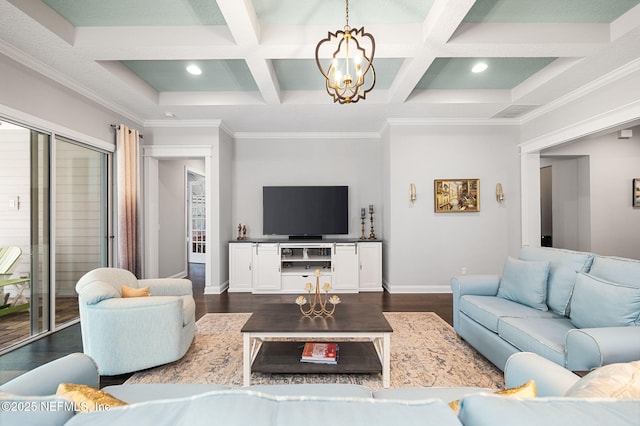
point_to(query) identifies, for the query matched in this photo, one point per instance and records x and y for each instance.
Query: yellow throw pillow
(134, 292)
(528, 390)
(87, 399)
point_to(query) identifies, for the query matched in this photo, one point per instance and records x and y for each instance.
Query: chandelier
(348, 70)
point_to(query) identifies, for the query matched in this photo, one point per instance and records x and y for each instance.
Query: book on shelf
(320, 353)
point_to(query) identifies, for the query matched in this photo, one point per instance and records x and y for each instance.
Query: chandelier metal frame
(343, 86)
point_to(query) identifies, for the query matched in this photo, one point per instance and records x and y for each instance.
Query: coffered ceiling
(259, 73)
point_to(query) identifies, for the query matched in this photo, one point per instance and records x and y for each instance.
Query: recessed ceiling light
(169, 114)
(479, 67)
(194, 69)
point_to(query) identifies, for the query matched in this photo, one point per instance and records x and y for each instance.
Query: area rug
(425, 351)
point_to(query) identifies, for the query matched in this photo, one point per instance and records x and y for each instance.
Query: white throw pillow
(620, 381)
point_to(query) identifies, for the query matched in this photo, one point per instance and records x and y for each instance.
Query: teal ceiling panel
(217, 75)
(548, 11)
(502, 73)
(138, 12)
(332, 12)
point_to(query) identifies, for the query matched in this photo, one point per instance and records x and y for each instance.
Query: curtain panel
(127, 160)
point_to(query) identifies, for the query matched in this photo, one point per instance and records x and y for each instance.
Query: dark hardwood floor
(69, 339)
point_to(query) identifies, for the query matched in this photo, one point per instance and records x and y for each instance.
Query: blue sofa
(576, 309)
(30, 400)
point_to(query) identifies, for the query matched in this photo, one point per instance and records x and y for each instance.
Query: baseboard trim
(397, 289)
(217, 289)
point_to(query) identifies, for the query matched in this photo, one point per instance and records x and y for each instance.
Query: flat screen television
(305, 211)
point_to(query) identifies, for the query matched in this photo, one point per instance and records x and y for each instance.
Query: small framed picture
(456, 195)
(636, 192)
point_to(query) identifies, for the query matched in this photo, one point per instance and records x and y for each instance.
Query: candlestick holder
(372, 234)
(318, 307)
(362, 236)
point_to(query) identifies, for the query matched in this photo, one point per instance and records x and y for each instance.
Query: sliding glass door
(80, 220)
(54, 221)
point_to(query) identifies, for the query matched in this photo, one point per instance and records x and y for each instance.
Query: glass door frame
(44, 323)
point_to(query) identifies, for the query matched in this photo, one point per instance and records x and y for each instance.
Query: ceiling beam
(243, 23)
(48, 18)
(441, 22)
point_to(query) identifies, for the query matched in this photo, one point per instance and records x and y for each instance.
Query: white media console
(350, 266)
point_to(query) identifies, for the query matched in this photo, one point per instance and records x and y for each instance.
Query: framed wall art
(456, 195)
(636, 193)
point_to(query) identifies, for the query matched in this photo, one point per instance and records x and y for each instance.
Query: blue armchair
(126, 334)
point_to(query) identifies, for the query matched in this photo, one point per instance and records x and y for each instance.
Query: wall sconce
(499, 193)
(412, 192)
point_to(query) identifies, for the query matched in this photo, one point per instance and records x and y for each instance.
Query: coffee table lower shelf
(278, 357)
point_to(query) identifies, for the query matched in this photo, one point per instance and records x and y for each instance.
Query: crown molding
(624, 114)
(453, 121)
(183, 123)
(48, 72)
(582, 91)
(307, 135)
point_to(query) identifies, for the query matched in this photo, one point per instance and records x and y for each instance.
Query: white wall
(428, 248)
(38, 101)
(615, 224)
(226, 230)
(356, 163)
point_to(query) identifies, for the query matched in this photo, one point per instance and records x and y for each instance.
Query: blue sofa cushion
(525, 282)
(243, 407)
(485, 410)
(424, 392)
(543, 336)
(617, 269)
(140, 392)
(600, 303)
(487, 310)
(314, 389)
(564, 265)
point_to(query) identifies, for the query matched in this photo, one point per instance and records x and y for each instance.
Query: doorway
(546, 206)
(196, 217)
(565, 197)
(153, 156)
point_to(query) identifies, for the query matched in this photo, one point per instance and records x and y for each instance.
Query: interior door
(197, 219)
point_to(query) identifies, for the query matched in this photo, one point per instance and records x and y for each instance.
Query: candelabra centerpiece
(318, 307)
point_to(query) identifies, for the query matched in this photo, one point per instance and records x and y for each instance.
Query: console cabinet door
(240, 267)
(266, 267)
(345, 267)
(370, 257)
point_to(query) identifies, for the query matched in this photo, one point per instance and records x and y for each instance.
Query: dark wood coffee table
(285, 322)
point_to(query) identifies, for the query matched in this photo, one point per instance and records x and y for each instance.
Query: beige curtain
(127, 191)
